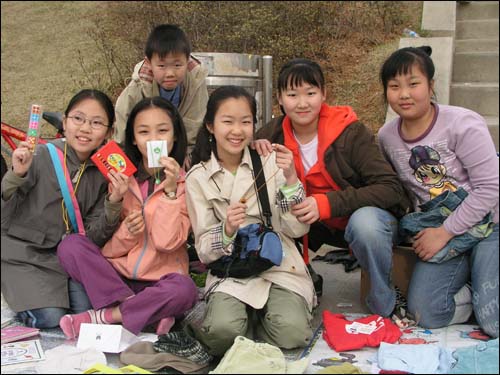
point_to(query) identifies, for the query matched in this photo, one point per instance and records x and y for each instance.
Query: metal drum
(253, 72)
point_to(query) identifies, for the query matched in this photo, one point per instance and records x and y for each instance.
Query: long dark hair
(401, 62)
(180, 145)
(205, 141)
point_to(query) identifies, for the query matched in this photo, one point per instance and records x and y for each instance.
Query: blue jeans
(434, 213)
(434, 285)
(371, 233)
(48, 317)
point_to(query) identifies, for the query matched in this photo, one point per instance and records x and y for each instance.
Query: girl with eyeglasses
(35, 218)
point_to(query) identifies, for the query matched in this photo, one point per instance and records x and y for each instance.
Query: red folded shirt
(342, 334)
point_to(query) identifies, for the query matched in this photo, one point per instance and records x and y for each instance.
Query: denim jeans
(434, 213)
(48, 317)
(371, 233)
(434, 285)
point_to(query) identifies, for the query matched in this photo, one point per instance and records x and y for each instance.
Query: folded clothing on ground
(415, 359)
(248, 357)
(143, 354)
(479, 359)
(181, 344)
(340, 256)
(342, 334)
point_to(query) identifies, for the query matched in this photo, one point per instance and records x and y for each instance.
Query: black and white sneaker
(400, 315)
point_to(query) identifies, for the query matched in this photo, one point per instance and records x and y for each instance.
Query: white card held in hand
(156, 149)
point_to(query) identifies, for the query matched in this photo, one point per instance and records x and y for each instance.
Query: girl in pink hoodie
(141, 275)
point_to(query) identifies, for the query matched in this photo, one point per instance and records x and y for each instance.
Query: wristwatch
(171, 194)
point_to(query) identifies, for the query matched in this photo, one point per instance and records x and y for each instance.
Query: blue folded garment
(479, 359)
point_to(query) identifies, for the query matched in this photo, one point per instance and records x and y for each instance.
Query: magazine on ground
(22, 351)
(16, 333)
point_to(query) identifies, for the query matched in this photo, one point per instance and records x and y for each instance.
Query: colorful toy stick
(33, 132)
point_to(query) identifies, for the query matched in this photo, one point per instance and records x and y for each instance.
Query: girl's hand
(262, 146)
(307, 211)
(134, 222)
(22, 158)
(235, 216)
(429, 241)
(284, 160)
(118, 184)
(172, 170)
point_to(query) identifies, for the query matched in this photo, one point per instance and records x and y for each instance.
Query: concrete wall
(439, 17)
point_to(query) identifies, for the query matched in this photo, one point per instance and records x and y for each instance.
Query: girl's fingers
(136, 220)
(281, 149)
(169, 163)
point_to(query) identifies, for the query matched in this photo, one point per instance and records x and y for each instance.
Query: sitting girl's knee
(42, 318)
(218, 335)
(74, 244)
(288, 333)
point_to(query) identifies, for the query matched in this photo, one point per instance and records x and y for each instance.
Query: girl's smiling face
(84, 139)
(409, 95)
(302, 104)
(153, 124)
(233, 128)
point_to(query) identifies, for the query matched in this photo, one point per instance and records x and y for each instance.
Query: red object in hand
(111, 157)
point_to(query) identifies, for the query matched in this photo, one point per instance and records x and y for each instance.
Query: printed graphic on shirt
(429, 171)
(365, 328)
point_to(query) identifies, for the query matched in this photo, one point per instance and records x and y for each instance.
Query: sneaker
(400, 315)
(463, 305)
(401, 302)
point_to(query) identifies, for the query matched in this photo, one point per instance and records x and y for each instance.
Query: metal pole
(267, 88)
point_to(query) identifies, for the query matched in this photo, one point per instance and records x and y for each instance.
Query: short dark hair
(205, 142)
(97, 95)
(402, 61)
(297, 71)
(180, 145)
(165, 39)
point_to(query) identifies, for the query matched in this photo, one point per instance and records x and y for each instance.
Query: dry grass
(360, 86)
(39, 59)
(40, 64)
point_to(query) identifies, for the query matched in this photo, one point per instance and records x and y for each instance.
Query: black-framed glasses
(95, 123)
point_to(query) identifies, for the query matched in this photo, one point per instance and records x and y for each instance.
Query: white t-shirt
(308, 152)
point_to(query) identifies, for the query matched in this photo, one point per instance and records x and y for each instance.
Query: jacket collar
(71, 156)
(213, 166)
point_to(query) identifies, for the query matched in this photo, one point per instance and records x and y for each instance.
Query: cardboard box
(403, 262)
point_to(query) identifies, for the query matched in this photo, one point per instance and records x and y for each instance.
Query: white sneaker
(463, 305)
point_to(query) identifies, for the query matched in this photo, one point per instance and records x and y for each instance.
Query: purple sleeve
(475, 149)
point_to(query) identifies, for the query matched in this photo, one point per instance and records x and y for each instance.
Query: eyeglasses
(95, 124)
